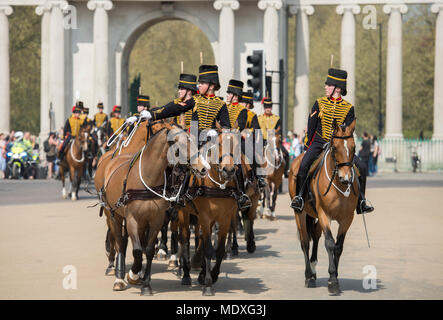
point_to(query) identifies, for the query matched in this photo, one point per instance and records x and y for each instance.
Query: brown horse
(274, 166)
(134, 192)
(334, 189)
(141, 134)
(74, 161)
(213, 202)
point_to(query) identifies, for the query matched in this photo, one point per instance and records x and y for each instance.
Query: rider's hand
(131, 120)
(212, 133)
(145, 115)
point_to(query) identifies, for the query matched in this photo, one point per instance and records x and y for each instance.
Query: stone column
(271, 45)
(438, 73)
(301, 102)
(4, 68)
(45, 125)
(226, 34)
(101, 51)
(57, 60)
(347, 46)
(394, 71)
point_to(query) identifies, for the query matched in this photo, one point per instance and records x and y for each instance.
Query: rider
(100, 118)
(115, 122)
(142, 104)
(247, 101)
(270, 121)
(72, 128)
(85, 117)
(207, 110)
(325, 110)
(187, 87)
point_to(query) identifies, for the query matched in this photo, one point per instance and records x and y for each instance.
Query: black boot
(243, 200)
(362, 205)
(298, 203)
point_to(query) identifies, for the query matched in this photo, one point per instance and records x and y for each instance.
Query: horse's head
(101, 135)
(183, 150)
(83, 137)
(343, 149)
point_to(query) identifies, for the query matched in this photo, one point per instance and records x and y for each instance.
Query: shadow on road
(351, 285)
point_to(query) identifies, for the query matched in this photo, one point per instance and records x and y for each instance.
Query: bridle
(337, 166)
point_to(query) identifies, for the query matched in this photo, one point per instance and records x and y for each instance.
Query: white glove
(145, 114)
(212, 133)
(131, 120)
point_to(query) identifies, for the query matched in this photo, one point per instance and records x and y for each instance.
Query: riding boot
(362, 205)
(298, 203)
(243, 200)
(286, 165)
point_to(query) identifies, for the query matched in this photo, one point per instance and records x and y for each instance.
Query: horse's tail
(310, 226)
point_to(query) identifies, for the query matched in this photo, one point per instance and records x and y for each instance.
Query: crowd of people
(369, 152)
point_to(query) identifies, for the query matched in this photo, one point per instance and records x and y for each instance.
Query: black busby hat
(100, 105)
(79, 104)
(85, 110)
(143, 101)
(76, 109)
(235, 87)
(337, 77)
(247, 97)
(209, 74)
(267, 103)
(188, 81)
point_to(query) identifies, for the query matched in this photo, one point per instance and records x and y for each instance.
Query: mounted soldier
(71, 129)
(100, 118)
(247, 101)
(115, 122)
(187, 88)
(270, 121)
(324, 111)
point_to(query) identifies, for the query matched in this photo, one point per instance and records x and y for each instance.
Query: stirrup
(244, 202)
(298, 209)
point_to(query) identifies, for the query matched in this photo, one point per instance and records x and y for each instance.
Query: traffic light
(256, 71)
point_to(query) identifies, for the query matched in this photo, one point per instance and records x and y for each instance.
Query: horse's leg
(315, 238)
(183, 237)
(204, 277)
(78, 182)
(162, 252)
(196, 260)
(267, 201)
(61, 172)
(110, 246)
(234, 247)
(333, 285)
(274, 199)
(146, 289)
(248, 222)
(116, 229)
(174, 244)
(341, 234)
(223, 231)
(135, 232)
(300, 219)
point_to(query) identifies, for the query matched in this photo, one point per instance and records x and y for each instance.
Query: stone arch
(127, 40)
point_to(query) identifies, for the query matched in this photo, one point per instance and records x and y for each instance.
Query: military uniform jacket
(206, 110)
(239, 114)
(72, 126)
(187, 115)
(99, 119)
(114, 124)
(324, 111)
(272, 122)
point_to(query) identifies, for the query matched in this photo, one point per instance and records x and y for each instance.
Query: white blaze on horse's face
(85, 144)
(346, 147)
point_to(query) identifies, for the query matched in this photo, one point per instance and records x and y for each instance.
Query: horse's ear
(351, 127)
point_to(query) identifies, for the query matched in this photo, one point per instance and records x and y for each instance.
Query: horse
(213, 201)
(135, 197)
(274, 167)
(334, 171)
(74, 161)
(142, 132)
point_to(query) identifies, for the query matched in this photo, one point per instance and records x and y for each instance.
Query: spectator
(50, 147)
(365, 150)
(374, 154)
(297, 146)
(3, 143)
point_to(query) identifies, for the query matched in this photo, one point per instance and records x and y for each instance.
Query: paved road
(38, 241)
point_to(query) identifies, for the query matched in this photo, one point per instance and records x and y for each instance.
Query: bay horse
(274, 166)
(213, 202)
(143, 131)
(334, 172)
(74, 161)
(135, 194)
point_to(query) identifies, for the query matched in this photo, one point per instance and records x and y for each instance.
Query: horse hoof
(333, 288)
(134, 282)
(110, 272)
(208, 291)
(65, 195)
(186, 281)
(161, 255)
(73, 197)
(146, 291)
(120, 285)
(251, 247)
(310, 283)
(201, 279)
